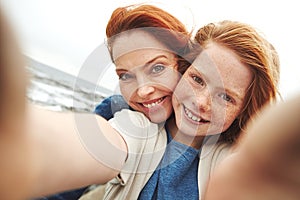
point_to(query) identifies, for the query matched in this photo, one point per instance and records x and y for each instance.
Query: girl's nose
(203, 100)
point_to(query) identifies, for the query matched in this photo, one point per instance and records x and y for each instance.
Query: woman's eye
(198, 80)
(125, 76)
(226, 97)
(157, 68)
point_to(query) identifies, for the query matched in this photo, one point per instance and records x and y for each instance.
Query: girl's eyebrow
(231, 92)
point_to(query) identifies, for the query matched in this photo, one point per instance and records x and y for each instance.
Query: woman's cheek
(127, 91)
(169, 82)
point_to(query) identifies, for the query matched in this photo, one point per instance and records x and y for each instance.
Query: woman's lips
(152, 103)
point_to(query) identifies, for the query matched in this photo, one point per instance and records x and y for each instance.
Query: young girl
(149, 68)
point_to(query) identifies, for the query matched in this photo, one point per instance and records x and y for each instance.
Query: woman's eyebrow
(155, 58)
(146, 64)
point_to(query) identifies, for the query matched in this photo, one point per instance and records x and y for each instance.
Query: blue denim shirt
(110, 105)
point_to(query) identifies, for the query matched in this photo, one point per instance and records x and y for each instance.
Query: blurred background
(58, 36)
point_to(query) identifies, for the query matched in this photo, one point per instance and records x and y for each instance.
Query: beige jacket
(146, 143)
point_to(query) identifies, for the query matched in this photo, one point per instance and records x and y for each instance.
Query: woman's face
(147, 74)
(211, 94)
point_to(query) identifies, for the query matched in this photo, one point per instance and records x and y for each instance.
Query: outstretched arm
(267, 162)
(71, 150)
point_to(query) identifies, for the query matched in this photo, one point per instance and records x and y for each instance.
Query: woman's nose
(145, 90)
(144, 86)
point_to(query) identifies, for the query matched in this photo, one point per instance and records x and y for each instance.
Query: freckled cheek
(230, 117)
(182, 90)
(223, 117)
(174, 102)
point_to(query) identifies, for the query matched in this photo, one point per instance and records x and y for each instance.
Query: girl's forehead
(135, 40)
(217, 60)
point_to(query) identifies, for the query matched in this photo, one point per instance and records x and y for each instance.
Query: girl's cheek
(182, 88)
(231, 115)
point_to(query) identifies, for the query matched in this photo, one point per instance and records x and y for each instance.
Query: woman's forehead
(133, 41)
(144, 57)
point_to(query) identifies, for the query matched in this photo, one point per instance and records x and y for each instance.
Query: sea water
(60, 91)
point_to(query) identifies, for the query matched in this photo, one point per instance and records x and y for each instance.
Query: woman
(160, 44)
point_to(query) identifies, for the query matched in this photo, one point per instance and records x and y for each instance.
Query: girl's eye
(198, 80)
(226, 97)
(157, 68)
(125, 76)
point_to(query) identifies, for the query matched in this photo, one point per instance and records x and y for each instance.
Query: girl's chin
(160, 115)
(193, 129)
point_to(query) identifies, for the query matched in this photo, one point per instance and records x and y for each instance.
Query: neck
(177, 135)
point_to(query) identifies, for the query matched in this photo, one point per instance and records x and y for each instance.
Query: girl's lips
(194, 117)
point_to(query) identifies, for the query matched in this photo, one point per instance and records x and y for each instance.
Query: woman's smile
(152, 103)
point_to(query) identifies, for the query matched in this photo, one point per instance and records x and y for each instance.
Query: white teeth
(150, 105)
(191, 116)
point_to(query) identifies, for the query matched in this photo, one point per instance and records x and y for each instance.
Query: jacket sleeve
(142, 139)
(110, 105)
(212, 154)
(146, 143)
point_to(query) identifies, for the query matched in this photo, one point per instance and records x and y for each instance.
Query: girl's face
(211, 94)
(147, 74)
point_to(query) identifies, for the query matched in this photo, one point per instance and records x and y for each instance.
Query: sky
(64, 33)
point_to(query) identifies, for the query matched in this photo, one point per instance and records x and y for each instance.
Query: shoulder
(213, 153)
(133, 125)
(214, 150)
(131, 119)
(145, 141)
